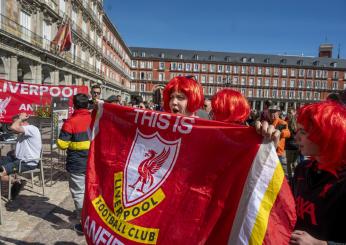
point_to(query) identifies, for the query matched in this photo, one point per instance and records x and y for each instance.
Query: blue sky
(292, 27)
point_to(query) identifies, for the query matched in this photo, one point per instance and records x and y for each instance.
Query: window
(243, 91)
(195, 67)
(293, 72)
(283, 83)
(274, 93)
(267, 82)
(252, 60)
(243, 59)
(173, 66)
(308, 95)
(210, 90)
(252, 70)
(188, 67)
(74, 15)
(276, 71)
(318, 74)
(180, 66)
(150, 75)
(235, 69)
(243, 70)
(290, 94)
(143, 54)
(134, 75)
(324, 84)
(212, 68)
(335, 75)
(161, 76)
(203, 79)
(266, 93)
(300, 94)
(142, 88)
(250, 92)
(316, 96)
(25, 22)
(219, 79)
(62, 6)
(84, 26)
(317, 84)
(259, 93)
(283, 94)
(242, 81)
(204, 67)
(251, 81)
(142, 75)
(220, 68)
(142, 64)
(211, 79)
(162, 65)
(325, 74)
(301, 84)
(284, 72)
(335, 85)
(235, 80)
(309, 73)
(309, 84)
(259, 81)
(229, 68)
(47, 35)
(267, 71)
(150, 65)
(301, 73)
(292, 82)
(275, 82)
(259, 70)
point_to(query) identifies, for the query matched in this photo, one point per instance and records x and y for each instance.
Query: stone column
(11, 68)
(36, 71)
(68, 79)
(54, 77)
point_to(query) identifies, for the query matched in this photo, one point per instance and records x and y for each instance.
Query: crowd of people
(310, 144)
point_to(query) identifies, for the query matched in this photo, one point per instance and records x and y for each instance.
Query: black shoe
(79, 229)
(17, 186)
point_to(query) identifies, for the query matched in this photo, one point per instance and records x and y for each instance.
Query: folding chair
(39, 169)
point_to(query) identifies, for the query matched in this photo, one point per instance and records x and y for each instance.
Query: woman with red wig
(230, 106)
(183, 95)
(319, 184)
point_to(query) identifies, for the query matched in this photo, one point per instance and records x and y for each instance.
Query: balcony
(51, 4)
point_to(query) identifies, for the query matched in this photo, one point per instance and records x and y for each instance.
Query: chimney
(326, 50)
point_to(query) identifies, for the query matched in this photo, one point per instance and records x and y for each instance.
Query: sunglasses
(96, 93)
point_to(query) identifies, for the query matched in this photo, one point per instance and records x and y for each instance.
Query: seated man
(28, 147)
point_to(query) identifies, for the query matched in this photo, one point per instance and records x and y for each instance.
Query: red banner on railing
(16, 97)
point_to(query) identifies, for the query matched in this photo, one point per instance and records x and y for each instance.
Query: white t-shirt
(29, 144)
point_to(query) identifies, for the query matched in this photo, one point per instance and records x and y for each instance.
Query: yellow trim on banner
(260, 226)
(137, 210)
(122, 228)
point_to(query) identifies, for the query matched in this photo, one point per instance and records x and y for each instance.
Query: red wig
(325, 122)
(230, 106)
(190, 87)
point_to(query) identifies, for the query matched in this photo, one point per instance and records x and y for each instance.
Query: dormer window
(283, 61)
(228, 58)
(316, 63)
(211, 57)
(266, 60)
(334, 64)
(180, 56)
(196, 57)
(143, 54)
(162, 55)
(243, 59)
(135, 54)
(252, 60)
(300, 62)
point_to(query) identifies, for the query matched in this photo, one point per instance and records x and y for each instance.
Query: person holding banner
(74, 138)
(319, 184)
(183, 95)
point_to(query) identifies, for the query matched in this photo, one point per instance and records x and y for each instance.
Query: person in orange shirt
(282, 126)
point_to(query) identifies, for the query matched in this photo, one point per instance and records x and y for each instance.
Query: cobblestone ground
(36, 219)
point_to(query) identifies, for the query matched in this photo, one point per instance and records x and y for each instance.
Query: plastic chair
(39, 169)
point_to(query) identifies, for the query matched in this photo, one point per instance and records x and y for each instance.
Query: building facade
(288, 81)
(27, 28)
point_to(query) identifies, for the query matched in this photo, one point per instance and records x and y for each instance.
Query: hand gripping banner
(159, 178)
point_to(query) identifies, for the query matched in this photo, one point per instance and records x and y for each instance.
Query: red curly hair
(230, 106)
(190, 87)
(325, 122)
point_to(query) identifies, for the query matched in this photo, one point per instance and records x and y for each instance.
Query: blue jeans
(11, 163)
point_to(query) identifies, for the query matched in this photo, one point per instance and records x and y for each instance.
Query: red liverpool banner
(18, 97)
(159, 178)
